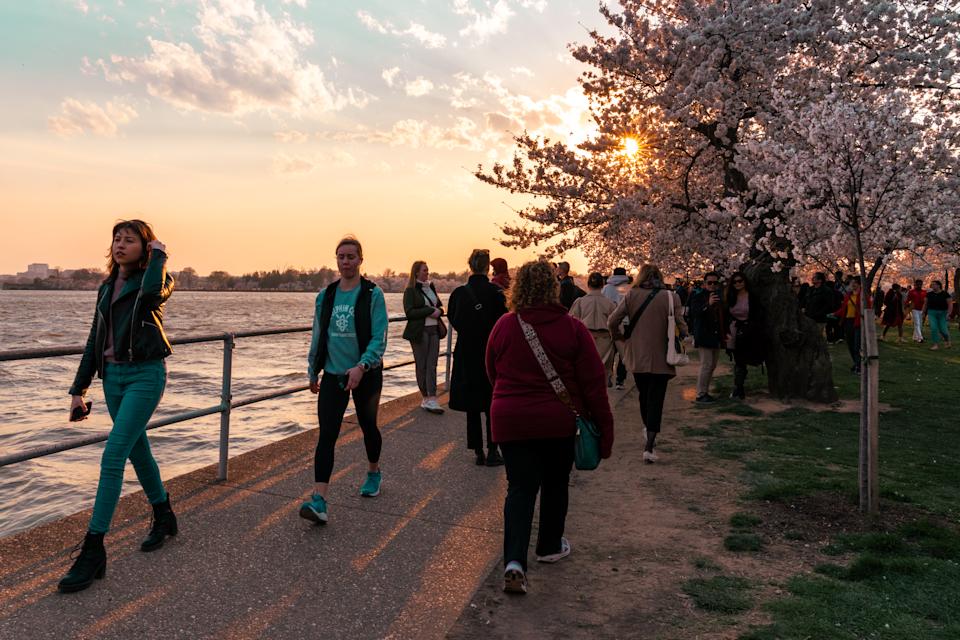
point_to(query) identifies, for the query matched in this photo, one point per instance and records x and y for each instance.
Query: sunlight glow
(630, 146)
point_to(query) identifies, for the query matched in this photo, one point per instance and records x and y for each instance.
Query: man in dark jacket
(569, 291)
(820, 299)
(706, 315)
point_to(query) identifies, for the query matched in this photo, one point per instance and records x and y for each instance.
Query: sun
(631, 146)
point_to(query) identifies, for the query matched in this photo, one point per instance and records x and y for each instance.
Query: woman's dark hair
(595, 280)
(732, 290)
(141, 229)
(937, 283)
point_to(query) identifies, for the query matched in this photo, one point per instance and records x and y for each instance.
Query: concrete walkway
(401, 565)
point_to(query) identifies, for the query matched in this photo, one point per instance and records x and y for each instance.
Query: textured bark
(798, 363)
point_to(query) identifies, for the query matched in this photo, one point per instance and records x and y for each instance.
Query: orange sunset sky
(254, 134)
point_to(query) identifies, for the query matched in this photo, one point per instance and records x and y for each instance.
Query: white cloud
(291, 137)
(286, 164)
(521, 71)
(419, 87)
(81, 6)
(484, 25)
(248, 60)
(416, 31)
(390, 75)
(77, 118)
(300, 3)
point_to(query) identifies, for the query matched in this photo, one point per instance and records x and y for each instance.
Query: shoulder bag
(586, 451)
(675, 352)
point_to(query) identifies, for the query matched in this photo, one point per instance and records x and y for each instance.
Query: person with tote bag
(644, 347)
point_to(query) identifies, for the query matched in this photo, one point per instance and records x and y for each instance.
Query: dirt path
(636, 531)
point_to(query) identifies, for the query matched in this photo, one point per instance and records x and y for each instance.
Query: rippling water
(33, 393)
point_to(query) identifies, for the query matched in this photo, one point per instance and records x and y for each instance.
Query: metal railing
(227, 403)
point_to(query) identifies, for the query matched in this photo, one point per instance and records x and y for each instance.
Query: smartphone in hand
(79, 413)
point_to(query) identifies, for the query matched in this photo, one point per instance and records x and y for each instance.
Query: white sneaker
(433, 406)
(559, 555)
(650, 457)
(514, 579)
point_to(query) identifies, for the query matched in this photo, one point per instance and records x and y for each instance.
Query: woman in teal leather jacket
(126, 348)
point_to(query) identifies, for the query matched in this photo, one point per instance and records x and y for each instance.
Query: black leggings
(332, 404)
(652, 389)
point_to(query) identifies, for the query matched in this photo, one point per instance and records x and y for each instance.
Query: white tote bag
(675, 354)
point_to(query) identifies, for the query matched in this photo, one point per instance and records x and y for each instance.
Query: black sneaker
(705, 398)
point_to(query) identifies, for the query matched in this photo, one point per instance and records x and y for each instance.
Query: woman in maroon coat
(534, 428)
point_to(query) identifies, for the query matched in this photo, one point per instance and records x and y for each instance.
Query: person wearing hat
(501, 277)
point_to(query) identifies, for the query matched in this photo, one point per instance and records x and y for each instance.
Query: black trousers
(621, 370)
(332, 404)
(475, 431)
(652, 389)
(535, 466)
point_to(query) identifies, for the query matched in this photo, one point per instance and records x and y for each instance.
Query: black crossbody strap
(633, 321)
(477, 305)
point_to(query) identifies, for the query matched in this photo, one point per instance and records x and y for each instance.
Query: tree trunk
(798, 363)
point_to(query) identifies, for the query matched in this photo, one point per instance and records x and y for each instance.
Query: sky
(253, 134)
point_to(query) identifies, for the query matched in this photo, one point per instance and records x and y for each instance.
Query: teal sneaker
(371, 486)
(315, 510)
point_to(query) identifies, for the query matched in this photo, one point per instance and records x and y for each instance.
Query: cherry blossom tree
(701, 88)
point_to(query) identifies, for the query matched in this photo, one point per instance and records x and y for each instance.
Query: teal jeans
(133, 391)
(938, 325)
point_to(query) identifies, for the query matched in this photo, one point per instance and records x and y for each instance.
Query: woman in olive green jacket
(423, 309)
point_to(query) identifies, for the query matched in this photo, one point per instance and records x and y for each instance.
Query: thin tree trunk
(869, 475)
(797, 360)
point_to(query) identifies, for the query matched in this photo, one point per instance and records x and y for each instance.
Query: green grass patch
(743, 542)
(720, 594)
(740, 409)
(744, 520)
(705, 564)
(897, 583)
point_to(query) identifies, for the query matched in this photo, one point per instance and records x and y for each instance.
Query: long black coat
(708, 321)
(470, 388)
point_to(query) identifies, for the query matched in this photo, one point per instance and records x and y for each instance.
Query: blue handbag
(586, 447)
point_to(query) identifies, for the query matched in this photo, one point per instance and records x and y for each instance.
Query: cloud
(417, 31)
(521, 71)
(291, 137)
(419, 87)
(81, 6)
(300, 3)
(247, 61)
(285, 164)
(484, 25)
(77, 118)
(390, 75)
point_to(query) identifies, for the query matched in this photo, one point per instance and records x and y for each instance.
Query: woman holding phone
(126, 348)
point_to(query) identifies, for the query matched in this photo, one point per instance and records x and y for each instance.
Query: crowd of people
(534, 353)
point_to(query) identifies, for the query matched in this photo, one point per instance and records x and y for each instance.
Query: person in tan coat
(644, 346)
(593, 310)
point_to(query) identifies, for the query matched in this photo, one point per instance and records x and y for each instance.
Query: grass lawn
(896, 577)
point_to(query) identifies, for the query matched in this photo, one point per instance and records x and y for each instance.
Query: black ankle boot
(164, 524)
(481, 459)
(90, 565)
(493, 458)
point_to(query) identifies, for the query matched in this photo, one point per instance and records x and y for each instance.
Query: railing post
(226, 397)
(446, 375)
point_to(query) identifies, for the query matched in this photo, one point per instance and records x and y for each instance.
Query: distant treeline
(288, 280)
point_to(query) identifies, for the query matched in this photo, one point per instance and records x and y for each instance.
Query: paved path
(245, 565)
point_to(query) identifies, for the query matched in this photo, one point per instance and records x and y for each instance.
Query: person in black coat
(745, 335)
(709, 330)
(569, 291)
(820, 299)
(473, 310)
